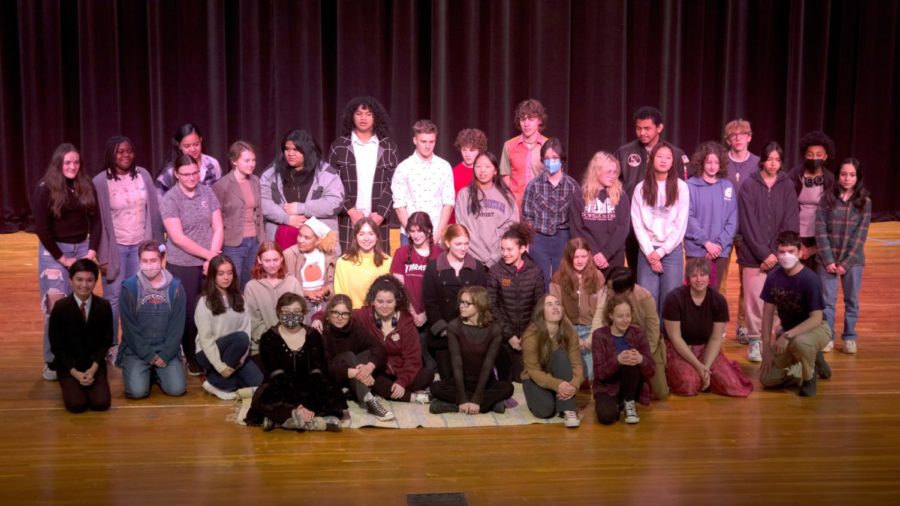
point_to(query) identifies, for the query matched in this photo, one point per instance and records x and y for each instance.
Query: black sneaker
(375, 408)
(499, 407)
(193, 368)
(823, 370)
(808, 388)
(267, 424)
(438, 407)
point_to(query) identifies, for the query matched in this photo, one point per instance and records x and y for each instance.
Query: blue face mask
(552, 165)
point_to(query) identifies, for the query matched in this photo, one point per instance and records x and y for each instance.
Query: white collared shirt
(87, 304)
(423, 185)
(366, 154)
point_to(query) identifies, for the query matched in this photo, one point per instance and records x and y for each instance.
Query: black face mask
(813, 165)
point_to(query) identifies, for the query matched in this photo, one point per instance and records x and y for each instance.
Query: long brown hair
(353, 251)
(538, 329)
(591, 278)
(211, 291)
(57, 186)
(648, 192)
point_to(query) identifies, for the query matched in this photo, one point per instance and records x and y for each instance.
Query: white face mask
(151, 272)
(788, 260)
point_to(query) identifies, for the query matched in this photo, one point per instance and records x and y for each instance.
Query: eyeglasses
(738, 135)
(465, 303)
(340, 314)
(196, 173)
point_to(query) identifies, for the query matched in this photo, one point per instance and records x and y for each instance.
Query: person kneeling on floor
(80, 334)
(796, 293)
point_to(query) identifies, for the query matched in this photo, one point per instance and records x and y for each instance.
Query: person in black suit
(80, 335)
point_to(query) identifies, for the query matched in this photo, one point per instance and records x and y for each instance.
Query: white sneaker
(218, 392)
(631, 415)
(754, 353)
(49, 374)
(850, 347)
(828, 347)
(571, 419)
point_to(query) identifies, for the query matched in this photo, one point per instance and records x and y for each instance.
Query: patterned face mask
(291, 320)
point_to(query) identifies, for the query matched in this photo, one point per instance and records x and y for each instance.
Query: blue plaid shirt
(546, 207)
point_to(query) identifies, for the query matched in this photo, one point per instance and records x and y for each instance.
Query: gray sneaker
(631, 415)
(49, 374)
(376, 409)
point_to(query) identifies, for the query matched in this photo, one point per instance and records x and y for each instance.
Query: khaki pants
(776, 368)
(753, 280)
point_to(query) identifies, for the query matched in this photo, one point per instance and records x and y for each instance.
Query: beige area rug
(411, 416)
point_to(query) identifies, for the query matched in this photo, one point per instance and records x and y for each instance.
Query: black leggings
(192, 280)
(630, 384)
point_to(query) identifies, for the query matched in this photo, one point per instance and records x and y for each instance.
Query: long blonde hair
(591, 183)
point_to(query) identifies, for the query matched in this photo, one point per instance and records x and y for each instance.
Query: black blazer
(76, 343)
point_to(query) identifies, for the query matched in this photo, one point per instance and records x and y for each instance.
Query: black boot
(808, 388)
(823, 370)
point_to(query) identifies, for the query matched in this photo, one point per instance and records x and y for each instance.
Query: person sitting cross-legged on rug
(296, 393)
(623, 364)
(795, 291)
(354, 356)
(80, 333)
(386, 316)
(552, 360)
(695, 317)
(473, 340)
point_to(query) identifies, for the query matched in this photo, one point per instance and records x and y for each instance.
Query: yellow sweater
(354, 279)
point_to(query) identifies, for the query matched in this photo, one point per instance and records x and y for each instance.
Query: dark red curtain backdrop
(82, 71)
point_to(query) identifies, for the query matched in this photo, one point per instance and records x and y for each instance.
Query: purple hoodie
(713, 216)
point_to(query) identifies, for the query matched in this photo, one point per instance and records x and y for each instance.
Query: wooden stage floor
(772, 448)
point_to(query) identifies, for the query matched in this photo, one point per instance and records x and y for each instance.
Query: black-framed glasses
(340, 314)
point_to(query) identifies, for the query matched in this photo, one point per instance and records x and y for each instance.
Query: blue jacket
(713, 216)
(152, 324)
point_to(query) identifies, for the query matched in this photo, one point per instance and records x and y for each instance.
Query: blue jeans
(53, 279)
(129, 263)
(587, 357)
(547, 251)
(660, 285)
(243, 256)
(136, 375)
(850, 284)
(234, 350)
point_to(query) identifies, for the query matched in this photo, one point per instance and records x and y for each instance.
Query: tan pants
(776, 368)
(754, 279)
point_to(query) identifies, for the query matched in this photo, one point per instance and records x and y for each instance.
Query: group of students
(281, 287)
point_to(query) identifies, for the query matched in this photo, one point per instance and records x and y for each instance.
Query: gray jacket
(108, 255)
(323, 201)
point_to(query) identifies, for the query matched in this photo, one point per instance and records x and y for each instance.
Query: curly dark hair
(388, 283)
(706, 149)
(471, 137)
(382, 120)
(817, 138)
